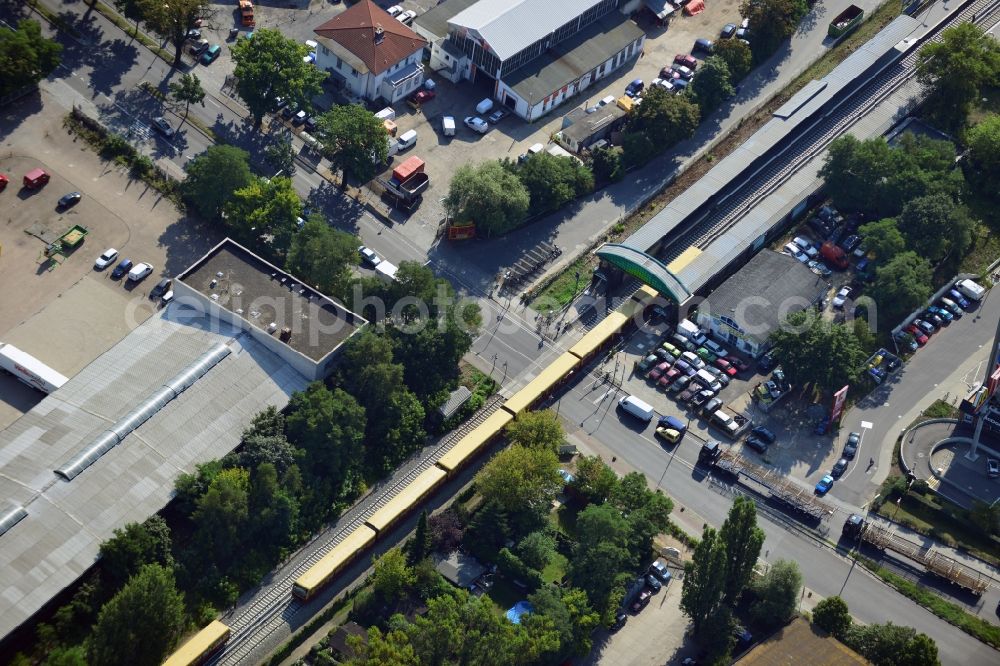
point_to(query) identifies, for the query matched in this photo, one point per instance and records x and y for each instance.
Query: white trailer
(386, 271)
(29, 369)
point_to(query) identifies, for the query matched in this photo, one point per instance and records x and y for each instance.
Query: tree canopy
(537, 429)
(171, 20)
(330, 426)
(712, 84)
(213, 177)
(520, 477)
(601, 558)
(323, 257)
(814, 351)
(553, 181)
(661, 121)
(264, 214)
(187, 91)
(270, 66)
(902, 285)
(489, 196)
(883, 239)
(141, 623)
(704, 580)
(742, 541)
(777, 594)
(354, 140)
(955, 68)
(771, 23)
(983, 158)
(27, 57)
(893, 645)
(831, 615)
(134, 546)
(935, 226)
(594, 480)
(737, 57)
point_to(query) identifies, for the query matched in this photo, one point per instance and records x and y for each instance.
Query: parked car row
(956, 301)
(656, 577)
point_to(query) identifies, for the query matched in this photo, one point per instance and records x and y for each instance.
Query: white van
(637, 408)
(484, 106)
(448, 125)
(388, 113)
(693, 360)
(705, 378)
(407, 139)
(970, 289)
(691, 332)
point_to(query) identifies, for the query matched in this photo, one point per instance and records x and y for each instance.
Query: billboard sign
(977, 398)
(839, 398)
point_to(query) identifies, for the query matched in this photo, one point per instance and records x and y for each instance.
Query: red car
(3, 181)
(687, 60)
(669, 74)
(668, 378)
(917, 334)
(658, 371)
(726, 367)
(422, 96)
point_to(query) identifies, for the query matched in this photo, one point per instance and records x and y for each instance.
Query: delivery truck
(29, 369)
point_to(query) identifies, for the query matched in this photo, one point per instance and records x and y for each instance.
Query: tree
(213, 176)
(323, 257)
(902, 285)
(264, 213)
(270, 66)
(391, 575)
(831, 615)
(606, 163)
(935, 227)
(777, 594)
(354, 140)
(553, 181)
(134, 546)
(742, 540)
(665, 119)
(489, 196)
(536, 549)
(893, 645)
(392, 648)
(572, 618)
(985, 516)
(538, 429)
(737, 57)
(704, 580)
(712, 85)
(646, 512)
(716, 637)
(420, 546)
(954, 69)
(446, 531)
(171, 20)
(519, 478)
(883, 239)
(221, 515)
(329, 426)
(601, 557)
(27, 57)
(187, 91)
(814, 351)
(65, 656)
(130, 8)
(141, 623)
(280, 155)
(982, 163)
(594, 480)
(771, 23)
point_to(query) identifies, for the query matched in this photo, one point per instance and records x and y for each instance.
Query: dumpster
(409, 167)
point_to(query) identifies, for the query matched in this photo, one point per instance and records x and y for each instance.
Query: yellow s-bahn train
(200, 647)
(561, 370)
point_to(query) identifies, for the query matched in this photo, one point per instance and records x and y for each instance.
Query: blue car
(954, 295)
(824, 485)
(941, 312)
(634, 88)
(822, 426)
(121, 269)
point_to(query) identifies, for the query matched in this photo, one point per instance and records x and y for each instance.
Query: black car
(933, 318)
(839, 468)
(310, 124)
(70, 199)
(653, 583)
(767, 363)
(851, 448)
(764, 434)
(161, 287)
(851, 243)
(756, 443)
(123, 267)
(728, 31)
(620, 620)
(289, 111)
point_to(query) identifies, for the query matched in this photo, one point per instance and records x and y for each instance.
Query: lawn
(564, 288)
(555, 569)
(505, 594)
(564, 520)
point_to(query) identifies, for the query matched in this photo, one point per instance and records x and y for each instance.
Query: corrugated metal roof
(508, 26)
(808, 101)
(67, 520)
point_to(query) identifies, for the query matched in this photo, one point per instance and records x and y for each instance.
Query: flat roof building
(298, 323)
(745, 309)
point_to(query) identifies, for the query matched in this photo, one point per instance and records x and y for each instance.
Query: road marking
(866, 424)
(604, 395)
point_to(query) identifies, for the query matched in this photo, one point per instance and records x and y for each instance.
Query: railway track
(256, 621)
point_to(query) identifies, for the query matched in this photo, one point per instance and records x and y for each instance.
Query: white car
(841, 297)
(163, 127)
(476, 124)
(394, 11)
(406, 18)
(610, 99)
(139, 271)
(807, 247)
(793, 249)
(662, 83)
(368, 256)
(106, 259)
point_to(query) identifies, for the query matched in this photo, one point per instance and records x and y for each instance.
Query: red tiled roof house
(372, 54)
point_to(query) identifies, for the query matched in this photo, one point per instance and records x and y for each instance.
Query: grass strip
(54, 19)
(951, 613)
(132, 30)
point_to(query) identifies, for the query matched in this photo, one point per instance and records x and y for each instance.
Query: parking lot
(508, 139)
(66, 313)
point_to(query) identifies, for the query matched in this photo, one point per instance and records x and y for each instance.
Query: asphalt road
(589, 412)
